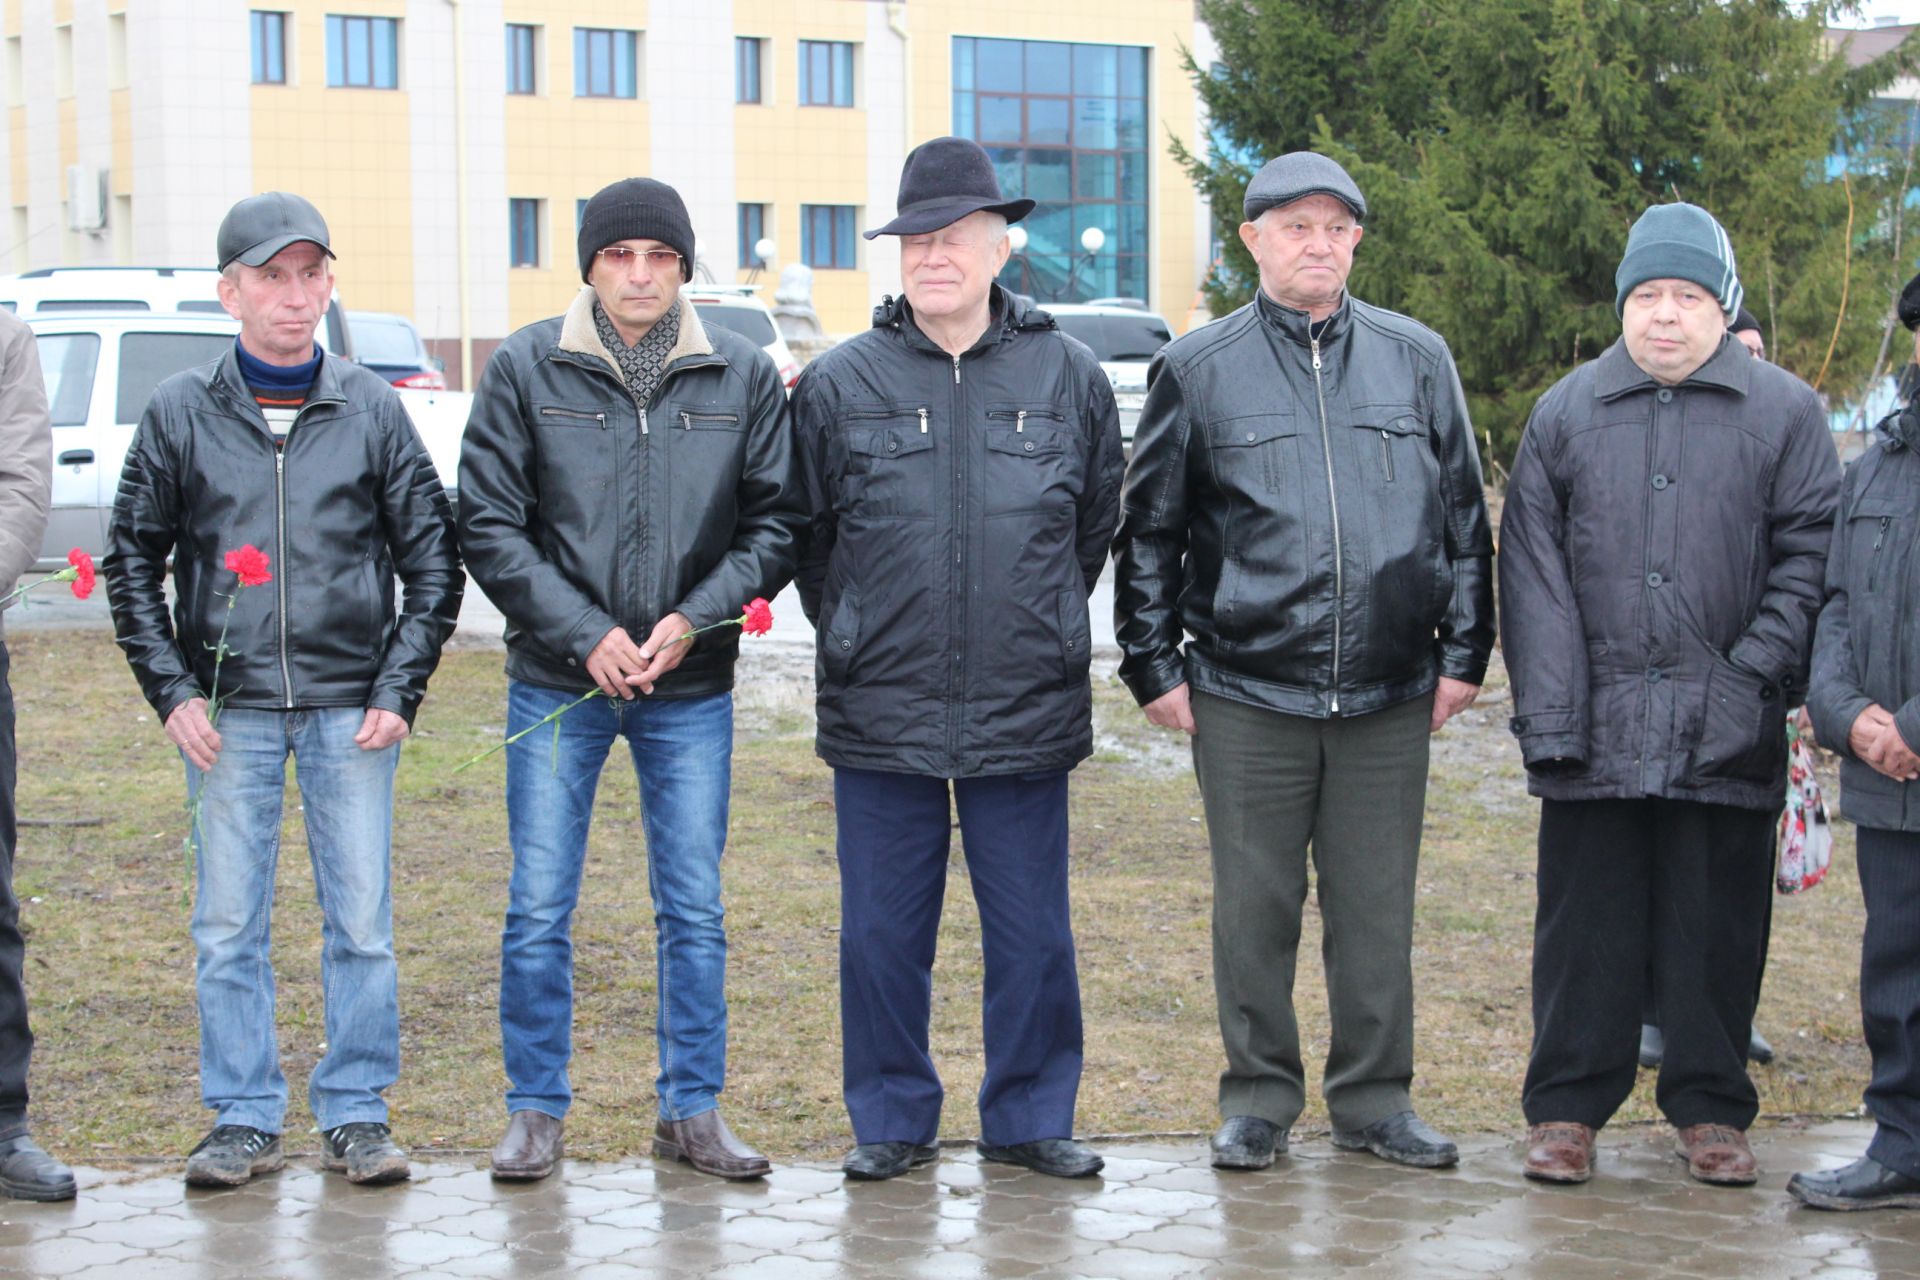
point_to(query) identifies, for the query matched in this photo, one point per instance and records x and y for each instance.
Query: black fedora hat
(942, 182)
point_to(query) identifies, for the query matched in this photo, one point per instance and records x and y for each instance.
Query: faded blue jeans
(347, 794)
(682, 749)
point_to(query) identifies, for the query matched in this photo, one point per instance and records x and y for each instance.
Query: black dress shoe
(877, 1161)
(1247, 1142)
(1056, 1157)
(1864, 1184)
(28, 1173)
(1653, 1046)
(1404, 1139)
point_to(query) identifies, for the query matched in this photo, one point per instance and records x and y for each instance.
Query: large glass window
(523, 229)
(604, 63)
(363, 53)
(826, 235)
(1066, 126)
(522, 70)
(746, 69)
(269, 46)
(826, 73)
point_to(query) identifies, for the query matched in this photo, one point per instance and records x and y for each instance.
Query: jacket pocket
(1742, 728)
(890, 463)
(689, 420)
(841, 637)
(559, 415)
(1254, 454)
(1400, 449)
(1873, 542)
(1076, 637)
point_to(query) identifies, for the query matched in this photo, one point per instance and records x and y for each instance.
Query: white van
(185, 290)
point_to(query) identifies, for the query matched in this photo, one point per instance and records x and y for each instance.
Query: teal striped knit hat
(1679, 242)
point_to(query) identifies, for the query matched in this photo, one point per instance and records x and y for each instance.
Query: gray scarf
(643, 363)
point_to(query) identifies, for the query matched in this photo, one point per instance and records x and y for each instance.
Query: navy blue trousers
(1890, 992)
(894, 832)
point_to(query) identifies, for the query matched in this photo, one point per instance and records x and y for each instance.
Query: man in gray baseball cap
(259, 227)
(1304, 581)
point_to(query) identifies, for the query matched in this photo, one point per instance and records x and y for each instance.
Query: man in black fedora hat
(962, 462)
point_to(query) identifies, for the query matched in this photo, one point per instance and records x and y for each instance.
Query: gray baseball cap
(1297, 175)
(261, 226)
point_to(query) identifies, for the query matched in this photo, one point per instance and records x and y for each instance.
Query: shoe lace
(349, 1136)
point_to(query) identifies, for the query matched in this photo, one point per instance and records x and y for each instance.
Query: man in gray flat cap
(1304, 585)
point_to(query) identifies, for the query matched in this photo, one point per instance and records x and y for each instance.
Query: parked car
(187, 290)
(734, 306)
(1124, 338)
(389, 345)
(101, 368)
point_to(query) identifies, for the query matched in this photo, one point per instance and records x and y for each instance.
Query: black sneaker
(231, 1155)
(365, 1152)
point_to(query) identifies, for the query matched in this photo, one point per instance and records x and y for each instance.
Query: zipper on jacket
(1873, 565)
(1333, 502)
(1386, 454)
(923, 422)
(280, 578)
(956, 371)
(548, 411)
(1020, 420)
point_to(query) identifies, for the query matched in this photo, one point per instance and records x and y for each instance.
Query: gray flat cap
(1299, 174)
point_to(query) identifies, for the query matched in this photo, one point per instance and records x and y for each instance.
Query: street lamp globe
(764, 248)
(1092, 239)
(1017, 238)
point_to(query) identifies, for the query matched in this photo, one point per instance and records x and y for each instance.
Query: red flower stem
(68, 574)
(545, 720)
(740, 621)
(191, 845)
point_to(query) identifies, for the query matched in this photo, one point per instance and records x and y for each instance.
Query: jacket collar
(580, 336)
(1902, 427)
(228, 379)
(1730, 369)
(1007, 315)
(1297, 326)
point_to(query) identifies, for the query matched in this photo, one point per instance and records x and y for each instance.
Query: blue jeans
(347, 794)
(683, 752)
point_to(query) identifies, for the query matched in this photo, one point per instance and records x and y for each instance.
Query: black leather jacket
(962, 507)
(1309, 510)
(580, 512)
(351, 500)
(1867, 647)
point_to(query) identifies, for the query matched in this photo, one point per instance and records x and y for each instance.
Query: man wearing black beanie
(626, 473)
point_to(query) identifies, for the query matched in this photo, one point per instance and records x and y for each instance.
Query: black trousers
(1673, 887)
(1890, 992)
(16, 1041)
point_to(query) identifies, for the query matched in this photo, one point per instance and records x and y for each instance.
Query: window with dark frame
(747, 53)
(1067, 125)
(523, 73)
(362, 53)
(752, 227)
(827, 236)
(269, 30)
(605, 63)
(826, 73)
(523, 230)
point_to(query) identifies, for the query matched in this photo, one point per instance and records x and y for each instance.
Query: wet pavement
(1158, 1211)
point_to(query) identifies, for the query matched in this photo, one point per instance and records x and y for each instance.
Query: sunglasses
(621, 257)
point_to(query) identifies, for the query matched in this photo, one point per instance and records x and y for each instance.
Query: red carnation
(758, 619)
(250, 563)
(82, 573)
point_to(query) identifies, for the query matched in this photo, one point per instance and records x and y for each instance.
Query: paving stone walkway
(1158, 1211)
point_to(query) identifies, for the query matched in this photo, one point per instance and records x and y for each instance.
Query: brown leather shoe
(530, 1149)
(706, 1143)
(1559, 1152)
(1717, 1153)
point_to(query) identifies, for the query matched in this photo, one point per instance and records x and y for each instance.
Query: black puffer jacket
(1310, 511)
(580, 512)
(1867, 648)
(961, 512)
(1661, 553)
(350, 501)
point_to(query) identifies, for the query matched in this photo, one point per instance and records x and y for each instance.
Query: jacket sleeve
(1835, 695)
(420, 537)
(499, 518)
(1150, 550)
(1106, 462)
(140, 537)
(26, 454)
(1542, 637)
(812, 418)
(1778, 641)
(766, 534)
(1465, 639)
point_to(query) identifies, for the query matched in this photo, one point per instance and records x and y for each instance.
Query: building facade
(451, 143)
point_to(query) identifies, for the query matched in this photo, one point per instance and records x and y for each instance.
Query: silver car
(1124, 338)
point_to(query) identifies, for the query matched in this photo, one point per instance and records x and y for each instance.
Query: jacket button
(846, 644)
(892, 447)
(1654, 579)
(1250, 437)
(1653, 675)
(1665, 395)
(1029, 446)
(1069, 644)
(1519, 725)
(1661, 482)
(572, 663)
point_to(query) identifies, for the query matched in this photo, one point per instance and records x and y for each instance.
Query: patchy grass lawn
(110, 965)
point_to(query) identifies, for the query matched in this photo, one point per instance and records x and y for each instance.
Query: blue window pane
(999, 119)
(386, 56)
(843, 236)
(1133, 277)
(1133, 73)
(1050, 230)
(1133, 123)
(336, 51)
(359, 52)
(962, 63)
(1047, 121)
(746, 70)
(842, 75)
(963, 124)
(1049, 67)
(1093, 176)
(623, 67)
(1131, 236)
(999, 65)
(1049, 175)
(599, 63)
(1093, 124)
(1133, 177)
(1009, 169)
(1096, 69)
(579, 62)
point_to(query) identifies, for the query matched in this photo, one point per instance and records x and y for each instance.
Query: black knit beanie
(636, 209)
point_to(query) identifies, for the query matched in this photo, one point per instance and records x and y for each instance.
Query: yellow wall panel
(121, 109)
